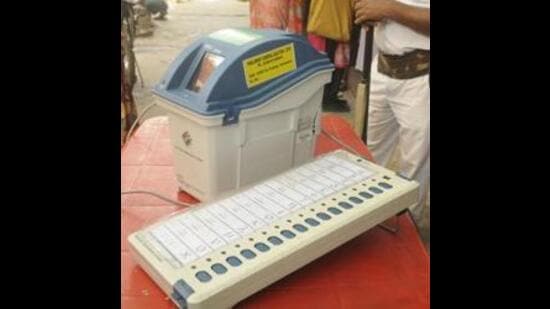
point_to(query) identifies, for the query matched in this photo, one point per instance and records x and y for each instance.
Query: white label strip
(263, 201)
(212, 239)
(243, 214)
(187, 237)
(176, 247)
(194, 234)
(259, 212)
(160, 252)
(286, 191)
(285, 202)
(210, 220)
(309, 194)
(230, 219)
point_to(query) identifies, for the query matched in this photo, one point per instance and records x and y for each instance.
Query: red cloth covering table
(375, 270)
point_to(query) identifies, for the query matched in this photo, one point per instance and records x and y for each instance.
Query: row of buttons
(234, 261)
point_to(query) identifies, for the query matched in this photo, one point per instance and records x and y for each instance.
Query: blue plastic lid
(235, 69)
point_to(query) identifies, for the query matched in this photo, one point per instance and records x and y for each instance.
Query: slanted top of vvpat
(244, 105)
(235, 69)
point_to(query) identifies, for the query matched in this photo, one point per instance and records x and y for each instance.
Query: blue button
(366, 194)
(375, 190)
(345, 205)
(334, 210)
(300, 228)
(288, 234)
(312, 222)
(233, 261)
(203, 276)
(356, 200)
(385, 185)
(249, 254)
(275, 240)
(323, 216)
(219, 268)
(261, 247)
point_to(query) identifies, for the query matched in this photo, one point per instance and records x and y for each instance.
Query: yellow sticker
(269, 65)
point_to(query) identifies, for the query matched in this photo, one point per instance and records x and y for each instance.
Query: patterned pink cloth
(277, 14)
(269, 14)
(341, 56)
(296, 17)
(318, 42)
(288, 15)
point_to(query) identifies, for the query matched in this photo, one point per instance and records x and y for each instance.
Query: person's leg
(410, 101)
(382, 128)
(331, 102)
(330, 49)
(334, 86)
(344, 82)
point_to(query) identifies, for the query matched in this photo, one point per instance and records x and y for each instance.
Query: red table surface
(375, 270)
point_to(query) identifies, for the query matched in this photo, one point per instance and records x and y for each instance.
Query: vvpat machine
(243, 105)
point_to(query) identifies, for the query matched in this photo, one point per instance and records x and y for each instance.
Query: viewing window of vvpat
(208, 64)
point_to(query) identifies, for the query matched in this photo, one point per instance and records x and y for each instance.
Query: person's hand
(372, 10)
